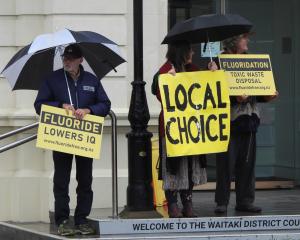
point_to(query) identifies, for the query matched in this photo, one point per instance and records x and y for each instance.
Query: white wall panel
(27, 28)
(155, 29)
(25, 196)
(25, 98)
(116, 91)
(5, 189)
(7, 7)
(8, 158)
(86, 7)
(29, 7)
(112, 27)
(7, 97)
(7, 30)
(27, 156)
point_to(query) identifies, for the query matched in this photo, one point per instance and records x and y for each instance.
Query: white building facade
(26, 172)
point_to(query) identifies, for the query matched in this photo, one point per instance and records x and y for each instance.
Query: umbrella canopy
(206, 28)
(31, 64)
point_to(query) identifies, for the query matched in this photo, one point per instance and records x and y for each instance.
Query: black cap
(73, 50)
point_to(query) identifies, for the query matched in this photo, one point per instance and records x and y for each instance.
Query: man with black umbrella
(80, 93)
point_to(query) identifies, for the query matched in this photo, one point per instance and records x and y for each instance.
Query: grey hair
(230, 43)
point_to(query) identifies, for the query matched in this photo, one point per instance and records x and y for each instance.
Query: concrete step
(280, 219)
(247, 227)
(206, 225)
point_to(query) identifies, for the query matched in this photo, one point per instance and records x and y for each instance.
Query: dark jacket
(86, 93)
(245, 122)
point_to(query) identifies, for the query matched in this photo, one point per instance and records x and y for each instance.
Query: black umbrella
(206, 28)
(31, 64)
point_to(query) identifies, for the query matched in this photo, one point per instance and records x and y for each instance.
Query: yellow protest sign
(248, 74)
(64, 133)
(196, 111)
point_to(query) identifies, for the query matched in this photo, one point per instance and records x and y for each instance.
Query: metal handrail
(17, 143)
(19, 130)
(113, 147)
(114, 164)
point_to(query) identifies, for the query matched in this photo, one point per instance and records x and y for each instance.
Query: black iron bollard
(139, 190)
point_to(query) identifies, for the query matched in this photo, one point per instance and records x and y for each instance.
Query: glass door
(275, 34)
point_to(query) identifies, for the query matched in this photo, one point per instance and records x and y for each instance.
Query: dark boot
(220, 209)
(173, 211)
(248, 208)
(186, 199)
(187, 210)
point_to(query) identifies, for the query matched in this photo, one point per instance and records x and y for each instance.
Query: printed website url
(250, 87)
(71, 145)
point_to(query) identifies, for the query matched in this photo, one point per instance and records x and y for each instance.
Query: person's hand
(212, 66)
(81, 112)
(172, 71)
(242, 98)
(68, 107)
(271, 97)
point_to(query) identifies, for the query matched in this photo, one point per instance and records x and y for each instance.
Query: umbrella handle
(210, 55)
(209, 47)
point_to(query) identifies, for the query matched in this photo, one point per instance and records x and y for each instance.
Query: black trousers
(239, 160)
(61, 180)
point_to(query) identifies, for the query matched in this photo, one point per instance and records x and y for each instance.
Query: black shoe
(221, 209)
(85, 229)
(64, 229)
(248, 208)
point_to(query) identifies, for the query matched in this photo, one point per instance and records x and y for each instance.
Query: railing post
(114, 164)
